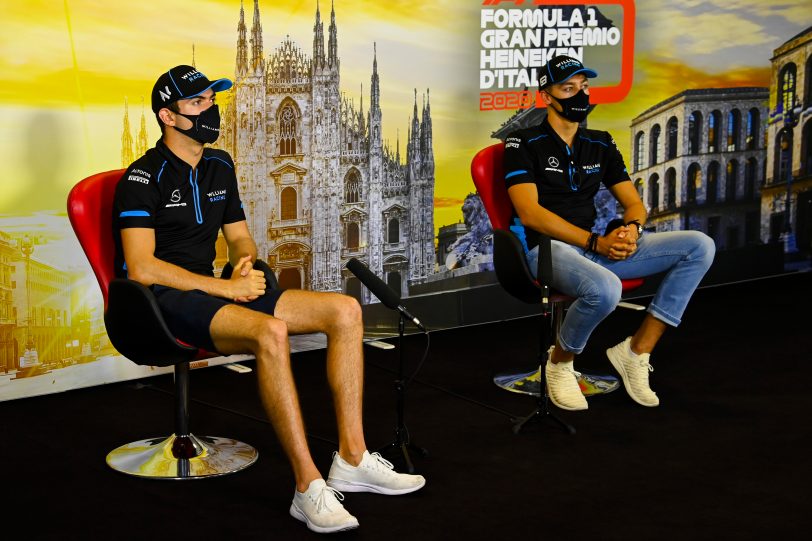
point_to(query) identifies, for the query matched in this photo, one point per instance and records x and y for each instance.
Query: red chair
(137, 330)
(515, 277)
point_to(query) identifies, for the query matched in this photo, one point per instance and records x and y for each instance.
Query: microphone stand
(402, 442)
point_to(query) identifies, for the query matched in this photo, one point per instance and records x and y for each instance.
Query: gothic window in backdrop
(353, 236)
(288, 130)
(786, 87)
(731, 176)
(394, 231)
(692, 182)
(752, 129)
(713, 182)
(694, 132)
(639, 150)
(673, 137)
(289, 209)
(638, 185)
(352, 187)
(290, 278)
(734, 125)
(654, 191)
(671, 188)
(714, 129)
(654, 152)
(393, 280)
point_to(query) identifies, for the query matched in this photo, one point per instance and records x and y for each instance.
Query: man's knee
(347, 310)
(605, 292)
(272, 334)
(705, 248)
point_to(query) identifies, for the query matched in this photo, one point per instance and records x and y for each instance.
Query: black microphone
(385, 294)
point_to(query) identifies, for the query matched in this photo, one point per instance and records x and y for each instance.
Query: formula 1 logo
(519, 37)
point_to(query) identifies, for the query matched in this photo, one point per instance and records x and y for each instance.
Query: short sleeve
(234, 211)
(517, 161)
(616, 170)
(136, 200)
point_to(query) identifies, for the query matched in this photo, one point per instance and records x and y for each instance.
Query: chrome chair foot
(189, 457)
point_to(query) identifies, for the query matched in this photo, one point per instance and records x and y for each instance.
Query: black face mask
(205, 126)
(575, 108)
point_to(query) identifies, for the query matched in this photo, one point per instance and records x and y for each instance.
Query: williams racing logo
(592, 168)
(217, 195)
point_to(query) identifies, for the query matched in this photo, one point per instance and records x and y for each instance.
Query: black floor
(725, 456)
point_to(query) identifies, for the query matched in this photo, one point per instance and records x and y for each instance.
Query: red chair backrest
(489, 179)
(90, 210)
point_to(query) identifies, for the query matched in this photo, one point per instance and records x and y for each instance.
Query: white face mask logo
(175, 196)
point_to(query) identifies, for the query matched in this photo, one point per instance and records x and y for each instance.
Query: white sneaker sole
(298, 514)
(610, 353)
(557, 404)
(349, 486)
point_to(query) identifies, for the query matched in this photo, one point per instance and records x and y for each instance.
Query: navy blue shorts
(188, 314)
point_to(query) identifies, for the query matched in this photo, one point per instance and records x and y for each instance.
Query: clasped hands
(247, 283)
(618, 244)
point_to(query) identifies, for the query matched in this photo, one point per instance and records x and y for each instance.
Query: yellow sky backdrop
(66, 68)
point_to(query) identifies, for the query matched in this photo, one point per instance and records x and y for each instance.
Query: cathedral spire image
(126, 138)
(317, 182)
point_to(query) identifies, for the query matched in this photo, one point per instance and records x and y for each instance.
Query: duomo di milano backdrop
(353, 124)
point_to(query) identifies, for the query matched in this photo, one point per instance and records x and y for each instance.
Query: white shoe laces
(639, 376)
(567, 368)
(380, 464)
(322, 501)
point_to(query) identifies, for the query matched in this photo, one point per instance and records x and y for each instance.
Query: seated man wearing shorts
(169, 207)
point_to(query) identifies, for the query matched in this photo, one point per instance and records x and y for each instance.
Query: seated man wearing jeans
(553, 172)
(169, 207)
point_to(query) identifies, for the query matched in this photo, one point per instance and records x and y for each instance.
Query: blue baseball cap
(560, 68)
(182, 83)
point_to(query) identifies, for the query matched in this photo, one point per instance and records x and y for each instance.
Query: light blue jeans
(594, 280)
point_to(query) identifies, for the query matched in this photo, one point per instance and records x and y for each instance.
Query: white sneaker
(562, 385)
(633, 369)
(373, 474)
(320, 507)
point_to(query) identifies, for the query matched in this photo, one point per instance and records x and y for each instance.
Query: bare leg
(560, 355)
(339, 317)
(235, 329)
(647, 336)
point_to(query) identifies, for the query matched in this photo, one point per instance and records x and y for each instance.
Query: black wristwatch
(639, 227)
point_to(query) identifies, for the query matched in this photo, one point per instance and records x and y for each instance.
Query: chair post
(184, 446)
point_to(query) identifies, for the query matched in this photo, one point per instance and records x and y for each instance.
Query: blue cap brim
(586, 71)
(218, 86)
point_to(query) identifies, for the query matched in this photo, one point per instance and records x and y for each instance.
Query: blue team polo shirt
(185, 206)
(567, 177)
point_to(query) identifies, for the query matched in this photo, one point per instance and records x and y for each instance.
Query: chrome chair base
(157, 458)
(530, 383)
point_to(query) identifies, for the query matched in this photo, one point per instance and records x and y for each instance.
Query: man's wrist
(637, 224)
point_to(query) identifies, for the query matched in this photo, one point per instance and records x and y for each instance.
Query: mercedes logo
(553, 161)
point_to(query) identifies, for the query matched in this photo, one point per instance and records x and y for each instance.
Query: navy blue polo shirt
(186, 207)
(567, 178)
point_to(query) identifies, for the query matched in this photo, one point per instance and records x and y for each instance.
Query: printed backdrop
(353, 124)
